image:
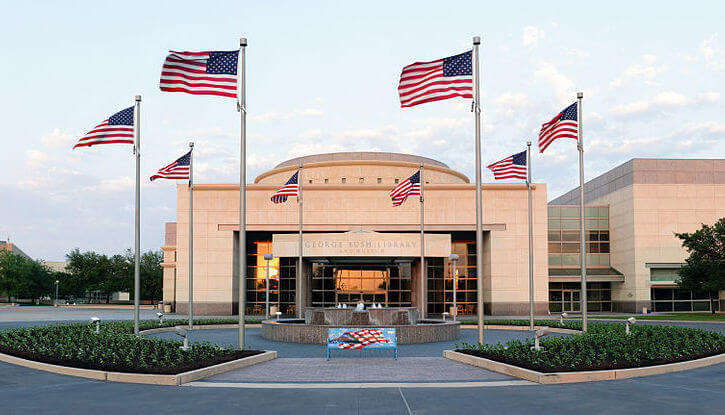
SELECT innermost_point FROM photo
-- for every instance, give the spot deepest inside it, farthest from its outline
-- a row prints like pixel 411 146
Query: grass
pixel 115 348
pixel 605 346
pixel 669 316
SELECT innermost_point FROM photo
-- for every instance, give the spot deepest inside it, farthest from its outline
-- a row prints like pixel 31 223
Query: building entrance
pixel 571 300
pixel 388 285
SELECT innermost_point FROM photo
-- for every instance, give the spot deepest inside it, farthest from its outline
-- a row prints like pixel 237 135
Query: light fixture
pixel 183 333
pixel 161 318
pixel 630 320
pixel 563 316
pixel 97 321
pixel 539 333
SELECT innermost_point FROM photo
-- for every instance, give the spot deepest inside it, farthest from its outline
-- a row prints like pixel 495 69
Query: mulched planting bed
pixel 114 349
pixel 605 346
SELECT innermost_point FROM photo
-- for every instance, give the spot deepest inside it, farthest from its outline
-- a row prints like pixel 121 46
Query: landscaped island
pixel 113 349
pixel 605 346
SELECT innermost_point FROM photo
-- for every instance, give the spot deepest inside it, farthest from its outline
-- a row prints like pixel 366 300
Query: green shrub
pixel 115 348
pixel 606 346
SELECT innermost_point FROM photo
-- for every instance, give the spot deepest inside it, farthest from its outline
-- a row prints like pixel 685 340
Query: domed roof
pixel 362 155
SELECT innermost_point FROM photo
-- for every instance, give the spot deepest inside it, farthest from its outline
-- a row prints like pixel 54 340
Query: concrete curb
pixel 144 378
pixel 584 376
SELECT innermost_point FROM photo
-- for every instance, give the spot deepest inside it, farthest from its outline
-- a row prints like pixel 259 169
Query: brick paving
pixel 371 369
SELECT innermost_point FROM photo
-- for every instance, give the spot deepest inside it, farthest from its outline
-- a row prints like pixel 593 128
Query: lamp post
pixel 267 257
pixel 56 293
pixel 454 259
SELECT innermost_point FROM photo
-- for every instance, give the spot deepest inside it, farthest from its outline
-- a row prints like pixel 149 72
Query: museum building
pixel 357 247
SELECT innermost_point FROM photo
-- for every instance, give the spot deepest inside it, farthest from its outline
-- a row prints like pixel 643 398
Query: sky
pixel 322 77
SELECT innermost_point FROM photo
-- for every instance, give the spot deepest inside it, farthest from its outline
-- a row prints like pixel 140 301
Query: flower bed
pixel 605 346
pixel 568 324
pixel 114 349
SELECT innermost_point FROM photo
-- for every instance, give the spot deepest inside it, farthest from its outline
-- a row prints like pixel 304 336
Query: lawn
pixel 605 346
pixel 114 348
pixel 669 316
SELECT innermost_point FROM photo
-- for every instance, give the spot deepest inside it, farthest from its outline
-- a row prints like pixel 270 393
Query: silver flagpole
pixel 582 243
pixel 479 213
pixel 300 299
pixel 242 107
pixel 191 236
pixel 423 279
pixel 531 239
pixel 137 237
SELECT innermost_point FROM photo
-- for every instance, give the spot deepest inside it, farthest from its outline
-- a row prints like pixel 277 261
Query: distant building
pixel 11 247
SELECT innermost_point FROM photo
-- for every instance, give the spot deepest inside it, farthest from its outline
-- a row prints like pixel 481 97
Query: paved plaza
pixel 301 381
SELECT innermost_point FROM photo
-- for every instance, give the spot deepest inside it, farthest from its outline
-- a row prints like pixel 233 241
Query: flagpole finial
pixel 476 40
pixel 528 143
pixel 138 98
pixel 242 41
pixel 191 144
pixel 580 95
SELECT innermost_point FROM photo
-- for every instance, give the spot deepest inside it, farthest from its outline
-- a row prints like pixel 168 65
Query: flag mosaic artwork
pixel 345 338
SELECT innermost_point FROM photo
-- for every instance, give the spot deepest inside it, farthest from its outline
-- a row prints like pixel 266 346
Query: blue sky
pixel 322 76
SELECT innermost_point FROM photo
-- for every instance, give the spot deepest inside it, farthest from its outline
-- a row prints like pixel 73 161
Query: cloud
pixel 664 100
pixel 58 139
pixel 711 52
pixel 280 116
pixel 36 158
pixel 531 36
pixel 563 87
pixel 646 71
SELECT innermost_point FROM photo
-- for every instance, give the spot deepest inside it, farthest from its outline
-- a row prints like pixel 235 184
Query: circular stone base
pixel 296 331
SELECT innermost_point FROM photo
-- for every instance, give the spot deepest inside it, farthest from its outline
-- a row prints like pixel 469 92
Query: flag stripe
pixel 116 129
pixel 512 167
pixel 200 73
pixel 564 125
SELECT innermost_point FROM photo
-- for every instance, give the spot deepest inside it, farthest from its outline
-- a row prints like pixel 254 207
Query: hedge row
pixel 115 348
pixel 606 346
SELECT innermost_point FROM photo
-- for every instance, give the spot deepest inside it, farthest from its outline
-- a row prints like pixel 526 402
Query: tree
pixel 21 277
pixel 704 269
pixel 152 275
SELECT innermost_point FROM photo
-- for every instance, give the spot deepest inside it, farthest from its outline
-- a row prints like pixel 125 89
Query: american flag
pixel 291 188
pixel 178 170
pixel 444 78
pixel 564 125
pixel 512 167
pixel 408 187
pixel 201 73
pixel 118 128
pixel 359 339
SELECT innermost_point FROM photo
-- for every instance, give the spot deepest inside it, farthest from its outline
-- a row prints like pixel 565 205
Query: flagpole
pixel 582 237
pixel 137 224
pixel 479 213
pixel 191 236
pixel 423 279
pixel 531 238
pixel 300 299
pixel 242 107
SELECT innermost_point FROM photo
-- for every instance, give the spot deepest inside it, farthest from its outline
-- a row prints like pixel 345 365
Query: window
pixel 380 180
pixel 282 273
pixel 344 180
pixel 310 181
pixel 566 296
pixel 564 236
pixel 396 181
pixel 676 299
pixel 362 180
pixel 440 281
pixel 327 181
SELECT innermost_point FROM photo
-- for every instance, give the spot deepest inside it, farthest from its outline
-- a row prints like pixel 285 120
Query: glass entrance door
pixel 361 284
pixel 571 300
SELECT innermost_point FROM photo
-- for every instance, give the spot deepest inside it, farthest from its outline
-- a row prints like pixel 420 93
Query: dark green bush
pixel 606 346
pixel 115 348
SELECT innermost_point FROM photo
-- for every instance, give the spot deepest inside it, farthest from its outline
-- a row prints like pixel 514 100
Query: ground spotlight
pixel 630 320
pixel 539 333
pixel 563 316
pixel 161 318
pixel 183 333
pixel 97 320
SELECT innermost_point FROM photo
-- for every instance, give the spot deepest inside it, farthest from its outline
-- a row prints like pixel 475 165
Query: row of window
pixel 360 180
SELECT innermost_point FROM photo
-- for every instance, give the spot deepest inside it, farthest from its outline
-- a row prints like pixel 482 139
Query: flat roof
pixel 361 155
